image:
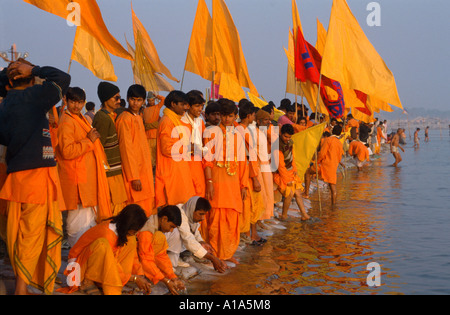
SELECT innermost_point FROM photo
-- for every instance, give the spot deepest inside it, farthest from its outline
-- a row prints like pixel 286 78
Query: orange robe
pixel 358 149
pixel 152 251
pixel 286 174
pixel 151 116
pixel 101 260
pixel 329 157
pixel 76 164
pixel 81 166
pixel 298 128
pixel 267 191
pixel 352 123
pixel 34 196
pixel 173 178
pixel 196 161
pixel 229 176
pixel 136 160
pixel 256 200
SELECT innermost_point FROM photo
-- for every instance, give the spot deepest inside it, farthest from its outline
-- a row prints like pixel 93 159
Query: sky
pixel 412 39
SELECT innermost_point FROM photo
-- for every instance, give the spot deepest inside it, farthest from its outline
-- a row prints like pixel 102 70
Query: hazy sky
pixel 412 40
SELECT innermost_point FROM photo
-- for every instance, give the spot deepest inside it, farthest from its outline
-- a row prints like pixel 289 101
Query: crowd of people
pixel 137 188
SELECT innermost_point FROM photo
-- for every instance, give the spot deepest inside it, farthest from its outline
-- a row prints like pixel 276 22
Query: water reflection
pixel 330 256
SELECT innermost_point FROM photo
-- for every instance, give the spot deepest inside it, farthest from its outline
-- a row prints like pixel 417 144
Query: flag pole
pixel 317 155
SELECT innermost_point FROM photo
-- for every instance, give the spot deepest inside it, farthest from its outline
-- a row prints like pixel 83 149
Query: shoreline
pixel 198 275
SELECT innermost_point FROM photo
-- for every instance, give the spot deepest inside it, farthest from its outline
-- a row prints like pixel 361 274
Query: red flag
pixel 306 56
pixel 307 68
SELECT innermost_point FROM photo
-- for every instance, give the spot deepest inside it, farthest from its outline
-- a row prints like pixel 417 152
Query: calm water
pixel 396 217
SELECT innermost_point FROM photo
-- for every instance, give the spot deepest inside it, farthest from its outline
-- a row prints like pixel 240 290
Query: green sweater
pixel 107 129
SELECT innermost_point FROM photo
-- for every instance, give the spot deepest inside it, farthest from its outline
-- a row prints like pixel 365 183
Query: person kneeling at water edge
pixel 106 254
pixel 187 235
pixel 152 248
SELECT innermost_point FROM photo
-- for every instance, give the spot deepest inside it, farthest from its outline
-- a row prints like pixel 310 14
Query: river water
pixel 397 218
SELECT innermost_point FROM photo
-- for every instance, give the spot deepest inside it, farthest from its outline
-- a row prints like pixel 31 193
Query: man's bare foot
pixel 306 218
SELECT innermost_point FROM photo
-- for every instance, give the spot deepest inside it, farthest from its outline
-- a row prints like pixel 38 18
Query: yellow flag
pixel 230 88
pixel 296 19
pixel 305 145
pixel 351 100
pixel 199 56
pixel 351 59
pixel 261 103
pixel 162 83
pixel 142 67
pixel 321 37
pixel 91 20
pixel 91 54
pixel 227 51
pixel 149 49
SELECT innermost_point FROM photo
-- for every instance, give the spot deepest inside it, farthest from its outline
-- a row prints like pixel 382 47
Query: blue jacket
pixel 24 126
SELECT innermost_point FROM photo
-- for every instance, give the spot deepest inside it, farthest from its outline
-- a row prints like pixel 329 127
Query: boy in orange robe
pixel 81 166
pixel 255 201
pixel 173 178
pixel 192 119
pixel 151 121
pixel 351 122
pixel 135 152
pixel 358 150
pixel 31 189
pixel 106 254
pixel 289 184
pixel 380 136
pixel 226 182
pixel 328 160
pixel 152 248
pixel 263 154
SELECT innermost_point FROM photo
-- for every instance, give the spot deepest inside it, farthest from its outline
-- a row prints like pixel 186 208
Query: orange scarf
pixel 104 202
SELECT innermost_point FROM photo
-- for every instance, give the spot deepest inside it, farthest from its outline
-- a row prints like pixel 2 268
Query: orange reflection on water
pixel 326 257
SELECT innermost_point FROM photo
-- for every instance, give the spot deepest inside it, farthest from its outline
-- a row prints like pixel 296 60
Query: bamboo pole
pixel 316 153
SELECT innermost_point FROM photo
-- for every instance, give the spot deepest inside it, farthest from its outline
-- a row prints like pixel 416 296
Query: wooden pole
pixel 317 164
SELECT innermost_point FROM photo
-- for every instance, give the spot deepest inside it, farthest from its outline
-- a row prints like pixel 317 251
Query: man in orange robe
pixel 135 152
pixel 151 120
pixel 173 178
pixel 192 119
pixel 263 154
pixel 226 182
pixel 328 160
pixel 81 166
pixel 380 135
pixel 286 178
pixel 254 205
pixel 358 150
pixel 351 122
pixel 152 248
pixel 31 189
